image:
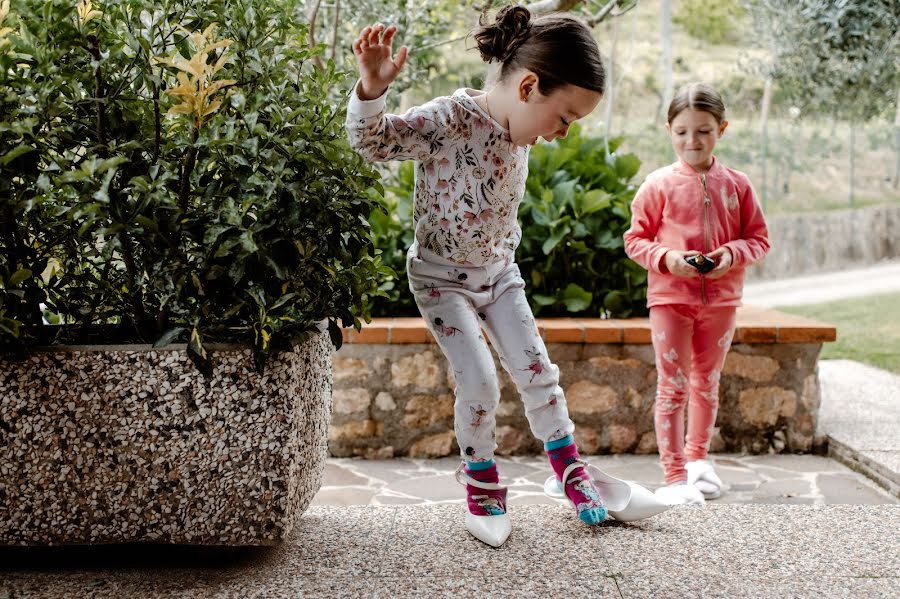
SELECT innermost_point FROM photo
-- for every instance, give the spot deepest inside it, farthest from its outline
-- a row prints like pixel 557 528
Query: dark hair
pixel 559 49
pixel 698 96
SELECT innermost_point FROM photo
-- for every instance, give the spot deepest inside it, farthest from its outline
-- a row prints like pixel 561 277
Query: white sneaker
pixel 680 494
pixel 702 475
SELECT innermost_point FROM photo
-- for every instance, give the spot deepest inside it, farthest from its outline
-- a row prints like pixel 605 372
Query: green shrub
pixel 392 234
pixel 576 208
pixel 713 22
pixel 160 183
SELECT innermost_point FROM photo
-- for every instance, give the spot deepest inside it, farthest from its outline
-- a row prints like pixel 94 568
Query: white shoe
pixel 680 494
pixel 625 501
pixel 493 530
pixel 700 474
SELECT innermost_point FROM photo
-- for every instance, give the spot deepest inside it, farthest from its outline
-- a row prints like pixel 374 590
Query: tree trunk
pixel 612 86
pixel 852 160
pixel 312 17
pixel 335 39
pixel 897 143
pixel 668 85
pixel 764 144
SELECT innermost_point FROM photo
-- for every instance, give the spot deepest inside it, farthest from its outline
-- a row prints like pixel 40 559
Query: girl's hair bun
pixel 500 40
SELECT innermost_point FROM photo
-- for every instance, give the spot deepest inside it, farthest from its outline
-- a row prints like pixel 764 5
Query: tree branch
pixel 543 7
pixel 602 13
pixel 157 116
pixel 607 11
pixel 157 123
pixel 94 51
pixel 187 167
pixel 135 293
pixel 314 14
pixel 441 43
pixel 335 30
pixel 488 4
pixel 547 6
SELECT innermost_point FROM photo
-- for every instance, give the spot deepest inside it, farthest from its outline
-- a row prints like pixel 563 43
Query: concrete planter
pixel 130 444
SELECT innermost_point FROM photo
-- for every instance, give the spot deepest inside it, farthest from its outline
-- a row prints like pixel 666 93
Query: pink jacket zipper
pixel 703 297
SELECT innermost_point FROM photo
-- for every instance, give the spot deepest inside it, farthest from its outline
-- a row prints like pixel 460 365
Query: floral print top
pixel 470 177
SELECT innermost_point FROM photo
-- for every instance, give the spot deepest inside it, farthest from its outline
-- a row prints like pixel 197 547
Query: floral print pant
pixel 690 343
pixel 458 302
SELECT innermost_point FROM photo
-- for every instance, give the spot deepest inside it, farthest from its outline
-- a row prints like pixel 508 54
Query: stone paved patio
pixel 787 479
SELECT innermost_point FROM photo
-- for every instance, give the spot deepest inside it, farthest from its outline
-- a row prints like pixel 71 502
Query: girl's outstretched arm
pixel 374 57
pixel 419 134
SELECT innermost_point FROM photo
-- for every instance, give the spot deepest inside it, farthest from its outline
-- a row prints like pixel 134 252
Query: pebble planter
pixel 107 444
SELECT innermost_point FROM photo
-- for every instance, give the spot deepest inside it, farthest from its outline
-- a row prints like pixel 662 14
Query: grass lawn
pixel 868 329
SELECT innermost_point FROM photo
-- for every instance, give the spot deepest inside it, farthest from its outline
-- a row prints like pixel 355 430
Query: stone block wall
pixel 814 242
pixel 396 398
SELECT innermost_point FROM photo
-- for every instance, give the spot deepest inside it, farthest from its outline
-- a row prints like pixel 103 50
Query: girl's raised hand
pixel 377 67
pixel 675 262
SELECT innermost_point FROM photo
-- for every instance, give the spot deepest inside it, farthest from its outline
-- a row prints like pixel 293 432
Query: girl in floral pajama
pixel 694 209
pixel 471 150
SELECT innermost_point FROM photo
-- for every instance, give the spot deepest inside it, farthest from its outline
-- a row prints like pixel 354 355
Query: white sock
pixel 680 494
pixel 706 487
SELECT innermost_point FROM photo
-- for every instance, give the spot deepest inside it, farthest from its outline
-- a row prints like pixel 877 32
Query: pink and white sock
pixel 483 502
pixel 580 489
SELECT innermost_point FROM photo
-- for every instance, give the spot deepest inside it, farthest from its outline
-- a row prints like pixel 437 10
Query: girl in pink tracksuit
pixel 694 209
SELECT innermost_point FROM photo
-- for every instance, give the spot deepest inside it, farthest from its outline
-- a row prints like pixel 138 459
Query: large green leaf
pixel 576 298
pixel 593 200
pixel 627 166
pixel 15 153
pixel 18 277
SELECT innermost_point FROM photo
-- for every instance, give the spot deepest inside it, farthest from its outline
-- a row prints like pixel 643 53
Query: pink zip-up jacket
pixel 681 209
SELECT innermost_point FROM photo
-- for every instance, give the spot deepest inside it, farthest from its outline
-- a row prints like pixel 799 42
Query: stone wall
pixel 397 400
pixel 124 445
pixel 827 241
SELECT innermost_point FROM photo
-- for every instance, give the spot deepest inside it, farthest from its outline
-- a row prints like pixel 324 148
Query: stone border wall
pixel 814 242
pixel 394 392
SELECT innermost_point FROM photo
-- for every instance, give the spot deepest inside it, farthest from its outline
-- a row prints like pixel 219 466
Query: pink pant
pixel 690 343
